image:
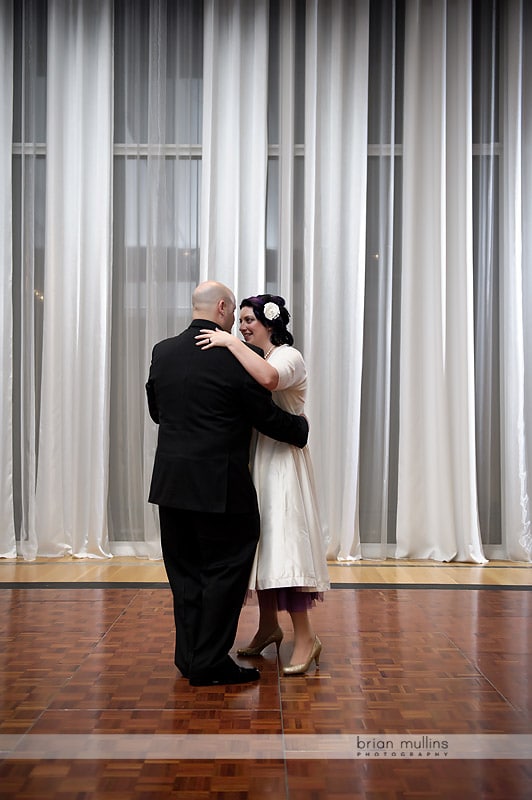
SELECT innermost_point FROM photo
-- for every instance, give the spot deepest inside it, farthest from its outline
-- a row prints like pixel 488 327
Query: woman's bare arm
pixel 258 367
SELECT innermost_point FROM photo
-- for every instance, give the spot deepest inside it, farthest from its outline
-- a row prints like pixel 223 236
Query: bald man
pixel 206 406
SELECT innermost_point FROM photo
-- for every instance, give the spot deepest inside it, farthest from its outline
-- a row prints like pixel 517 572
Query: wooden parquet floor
pixel 91 705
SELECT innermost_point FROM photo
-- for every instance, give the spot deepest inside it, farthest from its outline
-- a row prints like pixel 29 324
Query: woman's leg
pixel 268 620
pixel 268 631
pixel 303 636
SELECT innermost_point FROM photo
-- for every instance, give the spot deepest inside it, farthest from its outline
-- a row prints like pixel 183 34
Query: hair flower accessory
pixel 271 311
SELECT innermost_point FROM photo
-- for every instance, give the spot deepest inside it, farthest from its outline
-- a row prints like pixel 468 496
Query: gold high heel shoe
pixel 300 669
pixel 276 636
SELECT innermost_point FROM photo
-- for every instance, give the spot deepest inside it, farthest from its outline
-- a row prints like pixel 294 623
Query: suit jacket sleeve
pixel 152 401
pixel 272 421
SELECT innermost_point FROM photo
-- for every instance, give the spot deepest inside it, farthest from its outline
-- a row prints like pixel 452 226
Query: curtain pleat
pixel 235 145
pixel 515 439
pixel 335 211
pixel 72 473
pixel 8 547
pixel 436 508
pixel 525 532
pixel 287 60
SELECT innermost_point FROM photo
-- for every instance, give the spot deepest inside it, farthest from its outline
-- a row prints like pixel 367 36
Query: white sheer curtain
pixel 7 526
pixel 287 236
pixel 335 212
pixel 370 160
pixel 516 451
pixel 524 530
pixel 73 461
pixel 235 144
pixel 436 508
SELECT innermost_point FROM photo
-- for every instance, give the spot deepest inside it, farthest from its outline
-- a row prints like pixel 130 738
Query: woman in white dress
pixel 290 570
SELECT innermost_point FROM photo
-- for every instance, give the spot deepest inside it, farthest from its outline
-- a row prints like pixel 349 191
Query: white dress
pixel 291 549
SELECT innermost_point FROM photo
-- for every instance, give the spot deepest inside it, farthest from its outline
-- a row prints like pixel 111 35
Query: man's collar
pixel 204 323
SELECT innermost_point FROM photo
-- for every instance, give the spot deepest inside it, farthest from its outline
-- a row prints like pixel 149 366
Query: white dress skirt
pixel 291 552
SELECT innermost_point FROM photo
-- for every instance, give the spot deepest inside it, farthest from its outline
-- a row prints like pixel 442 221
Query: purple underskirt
pixel 292 598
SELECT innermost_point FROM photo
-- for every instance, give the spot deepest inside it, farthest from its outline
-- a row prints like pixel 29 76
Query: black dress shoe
pixel 225 675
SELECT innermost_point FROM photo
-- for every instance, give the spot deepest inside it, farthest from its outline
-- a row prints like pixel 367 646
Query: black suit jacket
pixel 206 405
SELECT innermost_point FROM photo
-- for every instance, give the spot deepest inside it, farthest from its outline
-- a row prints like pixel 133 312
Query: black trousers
pixel 208 560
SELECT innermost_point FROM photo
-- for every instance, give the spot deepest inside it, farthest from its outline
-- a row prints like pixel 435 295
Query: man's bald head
pixel 214 301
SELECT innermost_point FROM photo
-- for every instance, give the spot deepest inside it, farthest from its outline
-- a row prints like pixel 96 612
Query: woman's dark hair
pixel 279 335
